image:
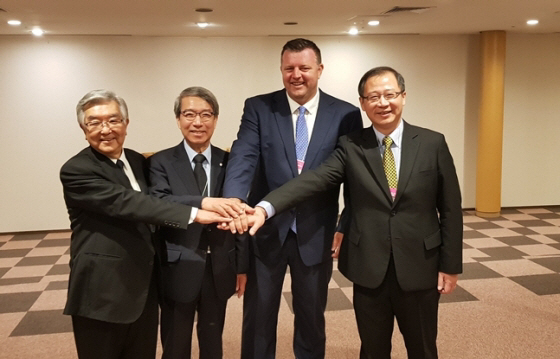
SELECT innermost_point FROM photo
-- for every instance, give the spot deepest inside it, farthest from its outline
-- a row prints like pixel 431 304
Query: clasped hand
pixel 231 214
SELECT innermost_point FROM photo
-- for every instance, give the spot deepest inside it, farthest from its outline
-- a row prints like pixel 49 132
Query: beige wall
pixel 41 81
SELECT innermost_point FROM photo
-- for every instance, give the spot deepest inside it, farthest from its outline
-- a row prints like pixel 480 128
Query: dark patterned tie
pixel 389 166
pixel 120 164
pixel 200 174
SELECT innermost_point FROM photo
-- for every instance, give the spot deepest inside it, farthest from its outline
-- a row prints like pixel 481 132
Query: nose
pixel 105 128
pixel 296 73
pixel 383 101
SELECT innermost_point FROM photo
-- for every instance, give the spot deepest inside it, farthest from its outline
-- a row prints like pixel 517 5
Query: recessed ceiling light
pixel 203 9
pixel 37 31
pixel 373 23
pixel 290 23
pixel 14 22
pixel 353 31
pixel 532 22
pixel 202 25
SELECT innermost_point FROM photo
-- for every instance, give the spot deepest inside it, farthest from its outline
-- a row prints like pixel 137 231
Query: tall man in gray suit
pixel 282 134
pixel 403 246
pixel 112 290
pixel 204 266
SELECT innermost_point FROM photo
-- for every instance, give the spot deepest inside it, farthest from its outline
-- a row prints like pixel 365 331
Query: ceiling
pixel 267 17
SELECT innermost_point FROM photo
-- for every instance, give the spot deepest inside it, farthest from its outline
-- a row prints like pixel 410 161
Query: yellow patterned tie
pixel 389 166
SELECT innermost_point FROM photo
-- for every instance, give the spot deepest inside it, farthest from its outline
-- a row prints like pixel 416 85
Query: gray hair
pixel 376 71
pixel 96 97
pixel 200 92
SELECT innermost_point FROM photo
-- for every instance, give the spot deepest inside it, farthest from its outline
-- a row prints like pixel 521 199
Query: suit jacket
pixel 111 250
pixel 422 228
pixel 263 158
pixel 172 178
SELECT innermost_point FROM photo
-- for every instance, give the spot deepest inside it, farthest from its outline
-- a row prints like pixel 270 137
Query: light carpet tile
pixel 517 267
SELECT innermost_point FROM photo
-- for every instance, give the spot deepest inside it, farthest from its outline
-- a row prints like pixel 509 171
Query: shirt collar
pixel 396 135
pixel 191 153
pixel 311 105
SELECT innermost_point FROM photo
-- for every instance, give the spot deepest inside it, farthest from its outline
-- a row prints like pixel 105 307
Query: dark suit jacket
pixel 172 178
pixel 112 253
pixel 423 227
pixel 263 158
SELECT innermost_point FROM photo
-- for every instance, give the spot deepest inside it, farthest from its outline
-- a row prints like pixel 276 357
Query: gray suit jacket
pixel 422 228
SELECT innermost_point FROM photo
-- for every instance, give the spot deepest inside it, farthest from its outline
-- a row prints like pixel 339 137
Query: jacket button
pixel 388 238
pixel 393 213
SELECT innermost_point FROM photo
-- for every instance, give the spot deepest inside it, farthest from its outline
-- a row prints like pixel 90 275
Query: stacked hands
pixel 231 214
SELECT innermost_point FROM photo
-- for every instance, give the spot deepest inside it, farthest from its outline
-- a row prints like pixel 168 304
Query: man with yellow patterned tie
pixel 403 243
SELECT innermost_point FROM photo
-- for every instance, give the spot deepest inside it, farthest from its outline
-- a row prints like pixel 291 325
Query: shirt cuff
pixel 268 208
pixel 194 212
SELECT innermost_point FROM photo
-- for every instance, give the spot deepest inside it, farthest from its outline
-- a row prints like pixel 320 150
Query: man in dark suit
pixel 282 134
pixel 112 294
pixel 203 262
pixel 403 246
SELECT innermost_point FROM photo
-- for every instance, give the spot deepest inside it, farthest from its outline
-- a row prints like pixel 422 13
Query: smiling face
pixel 196 132
pixel 300 74
pixel 108 140
pixel 384 115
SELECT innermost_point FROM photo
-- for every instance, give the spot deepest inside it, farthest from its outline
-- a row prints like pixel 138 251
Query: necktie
pixel 120 164
pixel 389 166
pixel 301 138
pixel 200 174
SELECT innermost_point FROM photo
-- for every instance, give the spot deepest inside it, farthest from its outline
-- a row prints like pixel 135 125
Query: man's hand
pixel 226 207
pixel 446 282
pixel 240 286
pixel 256 219
pixel 206 217
pixel 337 241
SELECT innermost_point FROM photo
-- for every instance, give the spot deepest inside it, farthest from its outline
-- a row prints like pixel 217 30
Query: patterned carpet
pixel 520 250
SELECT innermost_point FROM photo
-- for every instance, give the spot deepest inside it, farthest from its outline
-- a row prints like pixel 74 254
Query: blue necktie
pixel 301 138
pixel 301 146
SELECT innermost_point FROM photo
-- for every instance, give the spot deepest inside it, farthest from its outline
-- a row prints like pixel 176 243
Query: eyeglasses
pixel 190 116
pixel 375 98
pixel 97 125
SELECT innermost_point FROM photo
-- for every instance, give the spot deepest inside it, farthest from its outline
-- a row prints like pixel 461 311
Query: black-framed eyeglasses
pixel 190 116
pixel 375 98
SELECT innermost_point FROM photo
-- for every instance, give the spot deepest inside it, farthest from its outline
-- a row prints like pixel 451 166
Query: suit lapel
pixel 283 118
pixel 138 171
pixel 109 167
pixel 321 128
pixel 410 145
pixel 182 166
pixel 217 171
pixel 370 148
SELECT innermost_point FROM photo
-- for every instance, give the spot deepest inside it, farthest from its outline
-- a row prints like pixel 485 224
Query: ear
pixel 320 70
pixel 362 103
pixel 403 98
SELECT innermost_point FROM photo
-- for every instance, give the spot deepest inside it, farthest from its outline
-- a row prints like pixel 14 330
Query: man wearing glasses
pixel 112 290
pixel 403 245
pixel 204 265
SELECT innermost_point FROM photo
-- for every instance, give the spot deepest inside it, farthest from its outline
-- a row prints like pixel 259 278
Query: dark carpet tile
pixel 533 223
pixel 37 261
pixel 546 215
pixel 29 236
pixel 466 246
pixel 67 251
pixel 541 284
pixel 494 219
pixel 17 302
pixel 473 234
pixel 518 240
pixel 458 295
pixel 500 253
pixel 556 237
pixel 510 211
pixel 12 253
pixel 477 271
pixel 552 208
pixel 3 271
pixel 555 245
pixel 54 243
pixel 58 269
pixel 523 230
pixel 482 225
pixel 341 280
pixel 24 280
pixel 43 322
pixel 57 285
pixel 552 263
